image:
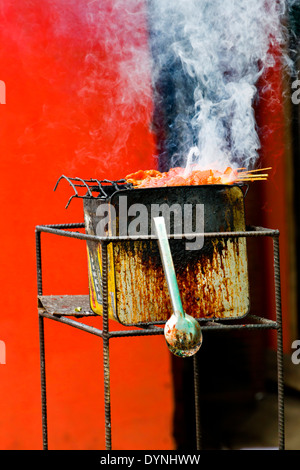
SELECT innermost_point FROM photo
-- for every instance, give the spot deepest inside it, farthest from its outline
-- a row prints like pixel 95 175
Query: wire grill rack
pixel 91 188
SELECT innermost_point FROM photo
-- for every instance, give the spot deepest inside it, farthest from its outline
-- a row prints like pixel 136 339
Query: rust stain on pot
pixel 213 284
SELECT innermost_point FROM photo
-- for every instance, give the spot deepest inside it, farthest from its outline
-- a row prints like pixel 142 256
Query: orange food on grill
pixel 180 177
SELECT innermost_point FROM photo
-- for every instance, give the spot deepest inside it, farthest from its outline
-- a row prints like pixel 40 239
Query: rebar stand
pixel 61 308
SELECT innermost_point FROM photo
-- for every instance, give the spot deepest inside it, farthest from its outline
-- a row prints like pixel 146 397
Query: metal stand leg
pixel 280 378
pixel 197 404
pixel 106 350
pixel 42 341
pixel 43 383
pixel 107 394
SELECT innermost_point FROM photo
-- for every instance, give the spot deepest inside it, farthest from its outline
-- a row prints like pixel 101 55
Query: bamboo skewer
pixel 253 175
pixel 249 172
pixel 263 175
pixel 251 179
pixel 258 169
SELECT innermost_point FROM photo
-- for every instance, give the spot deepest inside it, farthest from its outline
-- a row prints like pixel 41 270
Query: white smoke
pixel 204 58
pixel 222 48
pixel 116 74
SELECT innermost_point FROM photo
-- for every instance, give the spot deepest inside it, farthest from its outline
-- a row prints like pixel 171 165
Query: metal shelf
pixel 73 309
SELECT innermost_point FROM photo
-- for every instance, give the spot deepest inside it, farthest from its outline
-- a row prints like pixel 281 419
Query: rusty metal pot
pixel 213 280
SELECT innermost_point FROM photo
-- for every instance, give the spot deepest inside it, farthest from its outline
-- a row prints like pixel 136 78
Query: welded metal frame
pixel 147 329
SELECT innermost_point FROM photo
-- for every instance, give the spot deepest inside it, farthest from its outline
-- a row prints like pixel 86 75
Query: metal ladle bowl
pixel 182 332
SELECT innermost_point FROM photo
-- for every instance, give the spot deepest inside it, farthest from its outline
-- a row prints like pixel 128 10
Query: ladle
pixel 182 331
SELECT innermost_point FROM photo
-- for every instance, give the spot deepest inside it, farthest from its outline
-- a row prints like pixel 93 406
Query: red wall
pixel 66 113
pixel 65 107
pixel 275 198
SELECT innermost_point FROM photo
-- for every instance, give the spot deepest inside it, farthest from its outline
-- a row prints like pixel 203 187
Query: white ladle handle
pixel 168 265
